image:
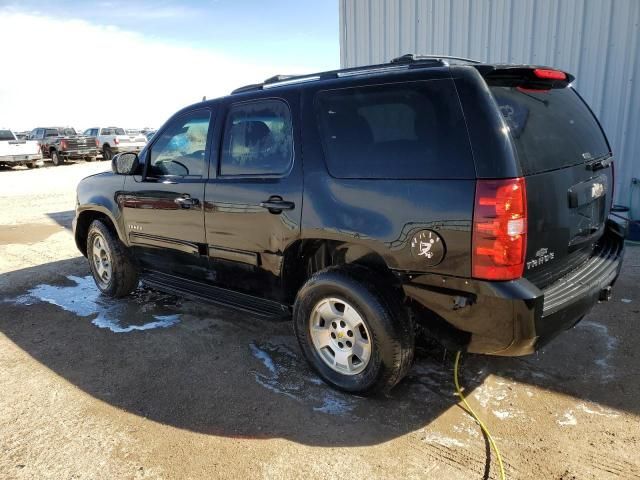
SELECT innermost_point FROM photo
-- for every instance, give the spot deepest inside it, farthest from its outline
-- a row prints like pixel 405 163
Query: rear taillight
pixel 63 144
pixel 115 140
pixel 499 229
pixel 549 74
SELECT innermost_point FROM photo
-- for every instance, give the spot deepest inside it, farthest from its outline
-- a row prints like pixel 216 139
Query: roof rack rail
pixel 400 63
pixel 413 57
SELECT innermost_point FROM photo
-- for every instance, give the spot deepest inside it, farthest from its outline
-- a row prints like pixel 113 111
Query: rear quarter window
pixel 411 130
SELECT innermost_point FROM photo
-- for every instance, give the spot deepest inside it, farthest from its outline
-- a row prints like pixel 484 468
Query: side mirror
pixel 125 163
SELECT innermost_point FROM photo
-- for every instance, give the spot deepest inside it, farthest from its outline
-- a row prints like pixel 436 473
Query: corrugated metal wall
pixel 596 40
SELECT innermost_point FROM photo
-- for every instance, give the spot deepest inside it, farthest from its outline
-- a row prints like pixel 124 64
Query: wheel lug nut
pixel 350 333
pixel 340 344
pixel 342 324
pixel 333 324
pixel 349 344
pixel 333 335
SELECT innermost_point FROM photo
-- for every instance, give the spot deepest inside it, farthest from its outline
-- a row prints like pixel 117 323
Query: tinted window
pixel 258 139
pixel 180 149
pixel 550 128
pixel 6 135
pixel 51 132
pixel 406 130
pixel 119 131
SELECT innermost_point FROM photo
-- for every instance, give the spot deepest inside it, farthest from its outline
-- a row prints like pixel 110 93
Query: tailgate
pixel 566 161
pixel 131 141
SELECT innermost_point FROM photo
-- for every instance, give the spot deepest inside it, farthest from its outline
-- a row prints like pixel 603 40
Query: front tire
pixel 107 153
pixel 357 336
pixel 112 268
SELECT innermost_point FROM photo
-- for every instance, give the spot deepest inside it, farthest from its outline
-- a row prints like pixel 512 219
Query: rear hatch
pixel 566 162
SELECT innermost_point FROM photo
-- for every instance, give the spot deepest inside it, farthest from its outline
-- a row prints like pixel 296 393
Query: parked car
pixel 111 140
pixel 14 152
pixel 64 143
pixel 468 199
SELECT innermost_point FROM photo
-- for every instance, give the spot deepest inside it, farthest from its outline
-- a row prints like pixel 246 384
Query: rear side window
pixel 51 132
pixel 551 129
pixel 258 139
pixel 396 131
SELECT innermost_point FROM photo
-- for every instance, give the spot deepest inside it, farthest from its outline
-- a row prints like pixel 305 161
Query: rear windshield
pixel 395 131
pixel 6 135
pixel 113 131
pixel 551 129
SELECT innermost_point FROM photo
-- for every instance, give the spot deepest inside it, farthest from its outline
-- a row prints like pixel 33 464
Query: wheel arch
pixel 83 220
pixel 305 257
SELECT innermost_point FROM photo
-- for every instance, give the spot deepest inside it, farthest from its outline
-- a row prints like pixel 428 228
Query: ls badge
pixel 427 246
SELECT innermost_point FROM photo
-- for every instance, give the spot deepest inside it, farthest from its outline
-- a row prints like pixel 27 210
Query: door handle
pixel 277 205
pixel 185 201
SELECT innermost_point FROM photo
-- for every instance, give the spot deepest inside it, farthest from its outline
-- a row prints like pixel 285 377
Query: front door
pixel 163 206
pixel 254 194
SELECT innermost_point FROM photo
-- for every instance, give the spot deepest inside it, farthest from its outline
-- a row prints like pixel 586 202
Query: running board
pixel 220 296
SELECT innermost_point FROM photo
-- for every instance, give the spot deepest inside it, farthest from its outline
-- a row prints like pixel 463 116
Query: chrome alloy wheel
pixel 101 260
pixel 340 336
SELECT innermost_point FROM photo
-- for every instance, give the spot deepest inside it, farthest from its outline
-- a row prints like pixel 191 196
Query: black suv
pixel 464 199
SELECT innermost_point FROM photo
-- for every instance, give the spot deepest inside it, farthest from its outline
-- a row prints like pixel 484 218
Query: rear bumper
pixel 127 148
pixel 516 318
pixel 20 159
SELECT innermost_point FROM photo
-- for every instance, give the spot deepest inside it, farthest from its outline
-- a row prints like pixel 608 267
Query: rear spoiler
pixel 528 76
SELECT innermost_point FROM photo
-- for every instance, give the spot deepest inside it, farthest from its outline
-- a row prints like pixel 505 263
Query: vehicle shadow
pixel 64 219
pixel 216 371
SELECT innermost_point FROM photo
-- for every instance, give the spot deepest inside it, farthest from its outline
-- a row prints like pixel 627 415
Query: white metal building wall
pixel 596 40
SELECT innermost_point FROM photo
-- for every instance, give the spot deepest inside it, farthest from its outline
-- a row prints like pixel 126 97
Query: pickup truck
pixel 63 143
pixel 111 140
pixel 18 152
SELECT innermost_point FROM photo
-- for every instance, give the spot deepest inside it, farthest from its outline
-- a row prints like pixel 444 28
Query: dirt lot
pixel 157 387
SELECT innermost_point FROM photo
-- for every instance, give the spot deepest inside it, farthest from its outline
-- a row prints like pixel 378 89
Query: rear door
pixel 163 206
pixel 254 196
pixel 565 159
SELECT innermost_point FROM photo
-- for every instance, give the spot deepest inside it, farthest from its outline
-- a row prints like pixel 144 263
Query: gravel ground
pixel 157 387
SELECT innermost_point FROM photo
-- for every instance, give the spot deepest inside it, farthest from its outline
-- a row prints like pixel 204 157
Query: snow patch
pixel 433 437
pixel 283 377
pixel 603 412
pixel 85 300
pixel 568 419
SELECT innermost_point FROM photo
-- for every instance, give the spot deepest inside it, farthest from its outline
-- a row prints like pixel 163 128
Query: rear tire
pixel 30 165
pixel 346 307
pixel 56 159
pixel 107 153
pixel 111 265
